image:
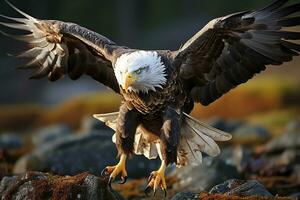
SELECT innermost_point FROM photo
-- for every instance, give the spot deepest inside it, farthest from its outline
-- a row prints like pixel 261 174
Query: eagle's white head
pixel 140 71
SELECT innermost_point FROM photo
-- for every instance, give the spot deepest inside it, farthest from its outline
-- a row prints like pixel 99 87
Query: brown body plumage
pixel 148 110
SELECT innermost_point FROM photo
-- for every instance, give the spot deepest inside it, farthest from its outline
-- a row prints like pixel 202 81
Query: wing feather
pixel 60 48
pixel 230 50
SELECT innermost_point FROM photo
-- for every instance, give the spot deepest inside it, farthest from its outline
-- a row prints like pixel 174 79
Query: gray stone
pixel 289 140
pixel 238 156
pixel 96 188
pixel 250 134
pixel 293 126
pixel 248 163
pixel 78 153
pixel 295 195
pixel 296 172
pixel 186 196
pixel 37 185
pixel 241 188
pixel 10 141
pixel 6 182
pixel 225 125
pixel 288 157
pixel 50 133
pixel 242 132
pixel 203 177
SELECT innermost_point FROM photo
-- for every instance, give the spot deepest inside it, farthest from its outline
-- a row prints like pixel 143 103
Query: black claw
pixel 104 172
pixel 154 193
pixel 150 177
pixel 148 190
pixel 123 179
pixel 165 192
pixel 109 182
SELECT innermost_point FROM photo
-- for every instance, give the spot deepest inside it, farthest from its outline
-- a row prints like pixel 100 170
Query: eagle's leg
pixel 125 132
pixel 169 140
pixel 114 171
pixel 157 179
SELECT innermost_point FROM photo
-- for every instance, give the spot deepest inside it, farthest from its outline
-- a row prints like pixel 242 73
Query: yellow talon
pixel 157 179
pixel 114 171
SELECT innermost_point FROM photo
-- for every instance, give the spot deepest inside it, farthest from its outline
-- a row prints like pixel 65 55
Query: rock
pixel 242 158
pixel 247 162
pixel 50 133
pixel 38 185
pixel 293 126
pixel 227 126
pixel 296 172
pixel 288 157
pixel 186 196
pixel 289 140
pixel 295 195
pixel 250 134
pixel 283 180
pixel 203 177
pixel 10 141
pixel 78 153
pixel 241 188
pixel 242 133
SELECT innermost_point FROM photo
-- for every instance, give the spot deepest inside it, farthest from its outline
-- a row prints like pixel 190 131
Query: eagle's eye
pixel 138 71
pixel 141 69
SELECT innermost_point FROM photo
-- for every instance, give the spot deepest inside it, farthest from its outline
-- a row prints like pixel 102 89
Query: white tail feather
pixel 110 119
pixel 141 145
pixel 196 137
pixel 215 134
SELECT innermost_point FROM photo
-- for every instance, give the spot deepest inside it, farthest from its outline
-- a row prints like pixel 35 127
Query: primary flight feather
pixel 159 88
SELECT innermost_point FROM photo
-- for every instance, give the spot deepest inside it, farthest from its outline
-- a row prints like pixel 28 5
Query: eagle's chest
pixel 148 103
pixel 155 101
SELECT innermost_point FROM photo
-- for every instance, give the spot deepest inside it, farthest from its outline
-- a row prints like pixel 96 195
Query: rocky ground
pixel 64 160
pixel 57 163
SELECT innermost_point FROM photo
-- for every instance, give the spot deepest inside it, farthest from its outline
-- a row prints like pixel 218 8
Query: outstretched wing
pixel 59 48
pixel 230 50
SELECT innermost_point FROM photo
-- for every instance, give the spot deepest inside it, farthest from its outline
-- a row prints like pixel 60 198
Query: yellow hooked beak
pixel 129 79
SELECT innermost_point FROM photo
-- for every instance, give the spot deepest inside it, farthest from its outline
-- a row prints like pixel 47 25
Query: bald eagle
pixel 160 87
